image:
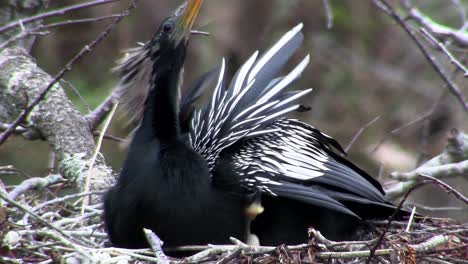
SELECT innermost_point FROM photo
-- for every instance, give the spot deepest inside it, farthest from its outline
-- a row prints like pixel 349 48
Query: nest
pixel 61 230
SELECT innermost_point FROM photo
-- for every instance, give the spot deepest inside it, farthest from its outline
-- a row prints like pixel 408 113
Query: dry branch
pixel 452 162
pixel 62 234
pixel 55 117
pixel 50 111
pixel 53 13
pixel 385 6
pixel 460 36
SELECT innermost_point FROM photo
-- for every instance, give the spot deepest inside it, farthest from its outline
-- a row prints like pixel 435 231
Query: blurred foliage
pixel 363 67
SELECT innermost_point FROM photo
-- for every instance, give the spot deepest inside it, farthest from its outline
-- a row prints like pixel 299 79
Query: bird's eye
pixel 168 27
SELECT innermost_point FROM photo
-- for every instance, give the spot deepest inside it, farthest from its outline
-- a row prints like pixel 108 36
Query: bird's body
pixel 185 208
pixel 164 184
pixel 240 147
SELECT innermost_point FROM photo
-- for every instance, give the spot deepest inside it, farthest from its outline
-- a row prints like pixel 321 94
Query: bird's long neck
pixel 161 114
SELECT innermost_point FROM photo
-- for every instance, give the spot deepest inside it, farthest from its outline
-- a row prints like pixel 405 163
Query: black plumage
pixel 164 184
pixel 190 174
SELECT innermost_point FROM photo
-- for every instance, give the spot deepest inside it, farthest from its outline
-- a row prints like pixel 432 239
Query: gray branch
pixel 17 10
pixel 452 162
pixel 460 36
pixel 34 183
pixel 64 127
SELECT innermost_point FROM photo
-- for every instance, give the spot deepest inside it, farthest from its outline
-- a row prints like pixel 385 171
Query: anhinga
pixel 165 184
pixel 240 149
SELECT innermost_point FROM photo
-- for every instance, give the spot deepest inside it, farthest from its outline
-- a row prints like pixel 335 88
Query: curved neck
pixel 161 113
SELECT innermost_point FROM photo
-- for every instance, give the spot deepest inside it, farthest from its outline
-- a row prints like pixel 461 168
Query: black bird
pixel 240 149
pixel 165 184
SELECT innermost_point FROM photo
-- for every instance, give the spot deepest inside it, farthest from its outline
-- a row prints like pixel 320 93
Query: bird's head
pixel 166 50
pixel 170 41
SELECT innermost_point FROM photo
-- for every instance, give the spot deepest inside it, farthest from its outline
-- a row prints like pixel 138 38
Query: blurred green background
pixel 363 67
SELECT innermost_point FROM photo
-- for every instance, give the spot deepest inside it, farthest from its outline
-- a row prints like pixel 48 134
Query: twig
pixel 34 183
pixel 459 35
pixel 60 200
pixel 400 128
pixel 442 171
pixel 329 13
pixel 93 158
pixel 67 243
pixel 449 189
pixel 97 116
pixel 360 131
pixel 410 220
pixel 114 138
pixel 156 244
pixel 230 256
pixel 67 68
pixel 388 9
pixel 436 209
pixel 26 210
pixel 9 169
pixel 57 12
pixel 431 243
pixel 395 213
pixel 18 129
pixel 444 50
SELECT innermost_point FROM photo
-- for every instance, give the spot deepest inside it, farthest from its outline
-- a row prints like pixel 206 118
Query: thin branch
pixel 93 158
pixel 67 68
pixel 39 29
pixel 436 209
pixel 444 50
pixel 402 127
pixel 436 171
pixel 18 130
pixel 449 189
pixel 34 183
pixel 37 217
pixel 53 13
pixel 389 223
pixel 156 244
pixel 329 13
pixel 360 131
pixel 97 116
pixel 460 36
pixel 8 169
pixel 388 9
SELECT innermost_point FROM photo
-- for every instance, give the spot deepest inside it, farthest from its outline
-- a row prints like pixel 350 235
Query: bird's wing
pixel 193 92
pixel 251 147
pixel 252 101
pixel 297 161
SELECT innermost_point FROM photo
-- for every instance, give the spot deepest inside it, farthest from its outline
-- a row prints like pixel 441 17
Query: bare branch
pixel 85 50
pixel 34 183
pixel 329 13
pixel 450 163
pixel 39 30
pixel 53 13
pixel 360 131
pixel 449 189
pixel 444 50
pixel 373 251
pixel 97 116
pixel 156 244
pixel 93 158
pixel 460 36
pixel 388 9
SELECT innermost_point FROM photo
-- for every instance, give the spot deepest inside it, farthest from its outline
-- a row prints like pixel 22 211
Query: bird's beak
pixel 188 13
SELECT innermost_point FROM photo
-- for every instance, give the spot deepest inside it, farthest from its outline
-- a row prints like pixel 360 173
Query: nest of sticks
pixel 38 229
